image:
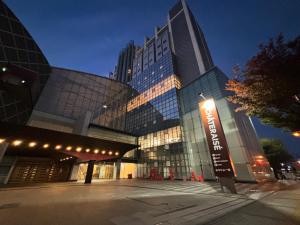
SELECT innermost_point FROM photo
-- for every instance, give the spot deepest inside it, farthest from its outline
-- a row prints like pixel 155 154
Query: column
pixel 3 148
pixel 117 169
pixel 74 173
pixel 89 172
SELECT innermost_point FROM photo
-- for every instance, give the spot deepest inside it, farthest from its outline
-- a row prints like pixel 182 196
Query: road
pixel 135 202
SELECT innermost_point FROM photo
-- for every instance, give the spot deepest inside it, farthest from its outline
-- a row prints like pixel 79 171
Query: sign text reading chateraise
pixel 216 139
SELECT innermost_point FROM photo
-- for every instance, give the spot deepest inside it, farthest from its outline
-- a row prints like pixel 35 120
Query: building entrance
pixel 101 171
pixel 106 171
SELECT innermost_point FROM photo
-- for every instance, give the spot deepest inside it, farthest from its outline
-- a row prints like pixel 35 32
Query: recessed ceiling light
pixel 46 146
pixel 17 142
pixel 32 144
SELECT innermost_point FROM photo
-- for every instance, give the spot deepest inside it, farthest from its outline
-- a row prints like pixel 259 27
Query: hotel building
pixel 144 123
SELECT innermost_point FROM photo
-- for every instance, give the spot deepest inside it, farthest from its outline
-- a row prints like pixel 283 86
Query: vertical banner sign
pixel 216 139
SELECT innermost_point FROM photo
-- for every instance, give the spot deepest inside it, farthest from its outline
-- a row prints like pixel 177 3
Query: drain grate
pixel 9 206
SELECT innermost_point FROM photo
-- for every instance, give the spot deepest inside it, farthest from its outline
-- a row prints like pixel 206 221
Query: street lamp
pixel 201 95
pixel 296 134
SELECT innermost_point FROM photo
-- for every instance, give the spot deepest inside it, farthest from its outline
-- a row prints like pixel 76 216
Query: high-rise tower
pixel 168 73
pixel 188 43
pixel 125 61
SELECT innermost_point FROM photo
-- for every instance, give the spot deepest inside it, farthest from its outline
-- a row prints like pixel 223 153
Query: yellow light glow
pixel 46 146
pixel 78 149
pixel 117 153
pixel 110 152
pixel 1 140
pixel 87 150
pixel 103 152
pixel 17 142
pixel 69 148
pixel 32 144
pixel 57 147
pixel 157 90
pixel 209 104
pixel 296 134
pixel 96 151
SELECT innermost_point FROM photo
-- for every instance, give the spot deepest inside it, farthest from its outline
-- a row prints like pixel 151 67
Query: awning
pixel 26 138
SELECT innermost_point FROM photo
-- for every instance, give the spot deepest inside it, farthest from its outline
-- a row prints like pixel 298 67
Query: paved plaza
pixel 136 202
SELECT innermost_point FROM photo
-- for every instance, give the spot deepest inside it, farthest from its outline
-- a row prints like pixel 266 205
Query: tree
pixel 269 86
pixel 275 152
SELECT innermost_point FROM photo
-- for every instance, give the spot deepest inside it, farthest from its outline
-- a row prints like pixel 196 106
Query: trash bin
pixel 130 176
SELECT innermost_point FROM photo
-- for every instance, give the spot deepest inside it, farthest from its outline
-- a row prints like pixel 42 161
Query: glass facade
pixel 153 111
pixel 240 135
pixel 71 94
pixel 156 105
pixel 17 47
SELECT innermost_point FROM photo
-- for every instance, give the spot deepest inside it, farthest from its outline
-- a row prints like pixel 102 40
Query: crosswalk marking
pixel 248 189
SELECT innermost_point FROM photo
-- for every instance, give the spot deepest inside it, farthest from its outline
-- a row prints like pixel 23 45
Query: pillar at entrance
pixel 89 172
pixel 3 148
pixel 74 173
pixel 117 169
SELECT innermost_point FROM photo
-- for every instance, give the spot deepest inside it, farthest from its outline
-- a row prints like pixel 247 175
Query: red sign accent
pixel 216 139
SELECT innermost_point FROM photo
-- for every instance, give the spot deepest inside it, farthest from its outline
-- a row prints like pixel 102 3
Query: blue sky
pixel 87 35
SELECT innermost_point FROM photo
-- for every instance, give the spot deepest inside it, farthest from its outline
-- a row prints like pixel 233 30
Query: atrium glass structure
pixel 71 94
pixel 17 47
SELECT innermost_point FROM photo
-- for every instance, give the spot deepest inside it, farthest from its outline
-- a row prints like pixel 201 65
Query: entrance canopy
pixel 34 140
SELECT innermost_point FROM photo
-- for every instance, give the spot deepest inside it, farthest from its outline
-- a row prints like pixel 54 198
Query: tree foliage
pixel 275 152
pixel 269 86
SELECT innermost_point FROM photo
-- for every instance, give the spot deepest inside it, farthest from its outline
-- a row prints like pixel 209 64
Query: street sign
pixel 216 139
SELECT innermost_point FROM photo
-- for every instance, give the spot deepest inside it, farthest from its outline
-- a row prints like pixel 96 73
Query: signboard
pixel 216 139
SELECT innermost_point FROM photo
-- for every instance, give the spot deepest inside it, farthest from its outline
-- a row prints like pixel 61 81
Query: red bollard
pixel 193 176
pixel 201 178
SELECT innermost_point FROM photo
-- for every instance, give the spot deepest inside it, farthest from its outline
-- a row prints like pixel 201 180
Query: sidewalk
pixel 279 208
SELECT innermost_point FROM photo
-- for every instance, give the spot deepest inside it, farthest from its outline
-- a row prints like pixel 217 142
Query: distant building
pixel 123 71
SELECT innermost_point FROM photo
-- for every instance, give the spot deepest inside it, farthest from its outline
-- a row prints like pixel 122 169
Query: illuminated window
pixel 155 91
pixel 164 137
